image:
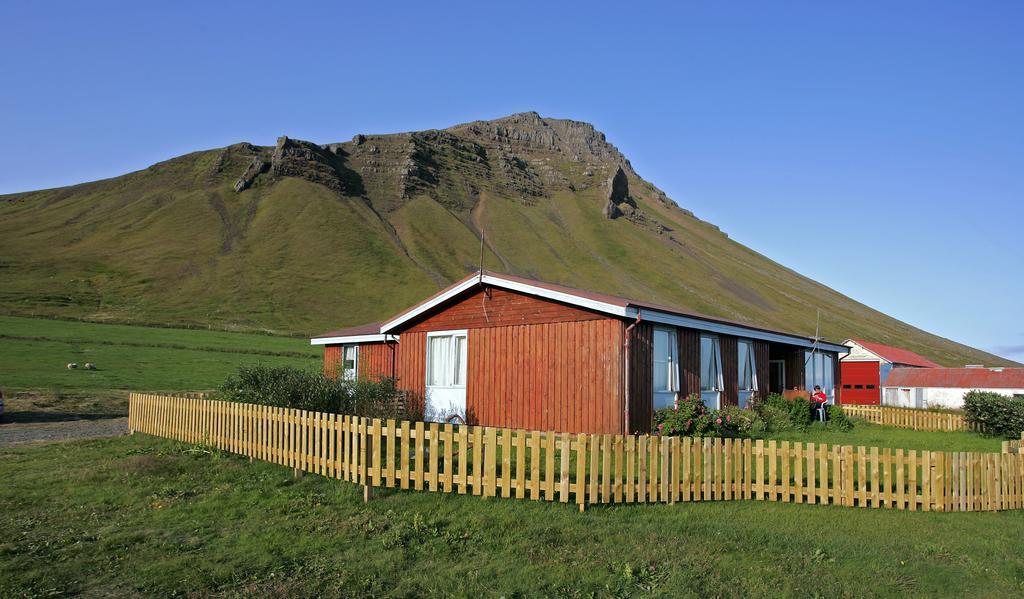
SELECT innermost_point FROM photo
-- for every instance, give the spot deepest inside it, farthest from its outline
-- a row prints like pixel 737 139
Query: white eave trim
pixel 866 350
pixel 352 339
pixel 734 330
pixel 558 296
pixel 611 309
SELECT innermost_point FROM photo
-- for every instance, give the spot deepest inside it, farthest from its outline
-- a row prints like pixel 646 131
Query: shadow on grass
pixel 30 417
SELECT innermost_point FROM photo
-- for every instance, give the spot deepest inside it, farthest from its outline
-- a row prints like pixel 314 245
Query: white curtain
pixel 446 361
pixel 460 360
pixel 438 361
pixel 666 361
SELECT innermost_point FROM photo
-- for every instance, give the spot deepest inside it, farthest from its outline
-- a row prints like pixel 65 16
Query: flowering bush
pixel 688 417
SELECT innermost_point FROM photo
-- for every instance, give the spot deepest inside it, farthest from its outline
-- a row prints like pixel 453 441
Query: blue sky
pixel 878 148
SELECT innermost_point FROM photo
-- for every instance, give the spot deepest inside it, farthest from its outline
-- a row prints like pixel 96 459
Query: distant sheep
pixel 72 365
pixel 90 366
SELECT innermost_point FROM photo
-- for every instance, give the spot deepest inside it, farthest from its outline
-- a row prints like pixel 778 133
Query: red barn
pixel 867 366
pixel 502 350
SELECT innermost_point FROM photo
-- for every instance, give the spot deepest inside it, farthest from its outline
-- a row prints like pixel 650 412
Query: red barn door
pixel 860 383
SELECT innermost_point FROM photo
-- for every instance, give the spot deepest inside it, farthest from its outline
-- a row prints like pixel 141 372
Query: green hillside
pixel 327 236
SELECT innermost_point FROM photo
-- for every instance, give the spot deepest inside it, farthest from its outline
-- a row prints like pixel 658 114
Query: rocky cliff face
pixel 523 156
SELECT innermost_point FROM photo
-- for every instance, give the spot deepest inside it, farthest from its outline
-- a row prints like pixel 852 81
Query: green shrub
pixel 288 387
pixel 781 414
pixel 838 419
pixel 998 415
pixel 689 417
pixel 733 421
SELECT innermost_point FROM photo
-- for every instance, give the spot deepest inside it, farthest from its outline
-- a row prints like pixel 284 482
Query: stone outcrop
pixel 258 166
pixel 619 201
pixel 323 165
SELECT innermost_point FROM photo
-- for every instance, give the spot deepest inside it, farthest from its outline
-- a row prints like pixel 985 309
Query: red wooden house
pixel 502 350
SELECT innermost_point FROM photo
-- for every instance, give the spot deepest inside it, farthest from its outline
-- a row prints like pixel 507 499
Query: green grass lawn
pixel 34 353
pixel 139 515
pixel 874 435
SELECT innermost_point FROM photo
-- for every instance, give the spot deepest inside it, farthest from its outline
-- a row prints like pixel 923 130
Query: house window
pixel 747 371
pixel 350 362
pixel 446 360
pixel 818 371
pixel 666 367
pixel 710 371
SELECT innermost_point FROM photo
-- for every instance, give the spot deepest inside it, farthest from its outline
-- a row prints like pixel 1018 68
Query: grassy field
pixel 34 353
pixel 873 435
pixel 141 515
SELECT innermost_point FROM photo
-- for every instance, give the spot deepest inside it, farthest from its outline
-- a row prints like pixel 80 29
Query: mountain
pixel 302 237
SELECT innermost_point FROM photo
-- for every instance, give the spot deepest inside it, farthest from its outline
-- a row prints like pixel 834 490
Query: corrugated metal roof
pixel 897 355
pixel 959 378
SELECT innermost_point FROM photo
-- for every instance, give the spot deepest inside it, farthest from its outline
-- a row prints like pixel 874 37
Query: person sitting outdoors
pixel 819 400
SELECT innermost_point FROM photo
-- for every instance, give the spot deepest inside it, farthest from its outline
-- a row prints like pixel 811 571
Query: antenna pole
pixel 482 234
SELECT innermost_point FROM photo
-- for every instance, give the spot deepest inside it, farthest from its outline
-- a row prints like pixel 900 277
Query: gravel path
pixel 12 433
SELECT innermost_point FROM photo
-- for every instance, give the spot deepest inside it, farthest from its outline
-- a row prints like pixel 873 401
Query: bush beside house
pixel 998 415
pixel 288 387
pixel 690 417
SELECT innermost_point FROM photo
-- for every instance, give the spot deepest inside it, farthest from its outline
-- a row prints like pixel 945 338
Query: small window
pixel 858 386
pixel 666 361
pixel 350 362
pixel 446 360
pixel 747 371
pixel 710 371
pixel 871 386
pixel 847 386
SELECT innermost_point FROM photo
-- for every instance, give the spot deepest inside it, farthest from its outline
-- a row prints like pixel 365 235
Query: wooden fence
pixel 586 469
pixel 1015 445
pixel 919 420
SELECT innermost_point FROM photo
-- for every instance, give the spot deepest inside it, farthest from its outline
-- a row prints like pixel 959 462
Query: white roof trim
pixel 352 339
pixel 730 329
pixel 612 309
pixel 493 281
pixel 866 350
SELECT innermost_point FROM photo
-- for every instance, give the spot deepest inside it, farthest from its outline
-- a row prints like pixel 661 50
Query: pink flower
pixel 689 422
pixel 661 426
pixel 728 418
pixel 718 421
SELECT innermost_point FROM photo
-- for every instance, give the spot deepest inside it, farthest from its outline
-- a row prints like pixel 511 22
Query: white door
pixel 446 376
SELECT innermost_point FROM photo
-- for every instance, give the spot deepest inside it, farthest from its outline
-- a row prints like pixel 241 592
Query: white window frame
pixel 745 394
pixel 671 384
pixel 355 362
pixel 452 376
pixel 712 398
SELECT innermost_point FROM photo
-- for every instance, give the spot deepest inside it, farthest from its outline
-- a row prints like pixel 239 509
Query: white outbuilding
pixel 946 387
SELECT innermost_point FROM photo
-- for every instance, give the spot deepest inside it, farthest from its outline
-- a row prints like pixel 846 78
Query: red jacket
pixel 819 397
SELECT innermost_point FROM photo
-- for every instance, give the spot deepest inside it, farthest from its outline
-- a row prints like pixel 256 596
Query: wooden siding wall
pixel 376 360
pixel 689 362
pixel 560 376
pixel 332 360
pixel 761 364
pixel 411 366
pixel 641 377
pixel 730 370
pixel 500 308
